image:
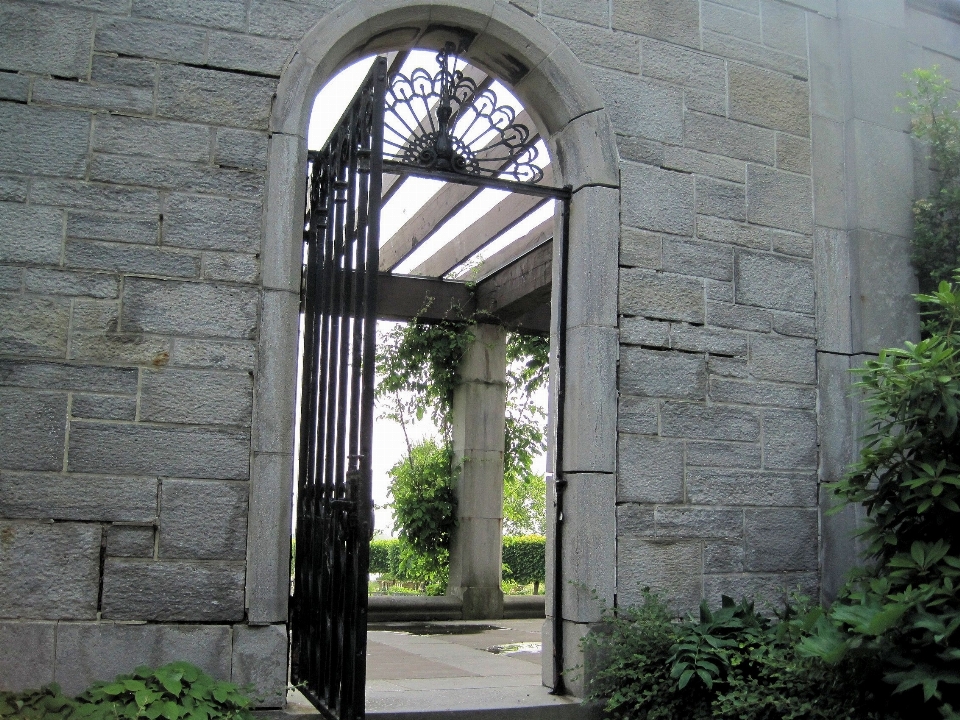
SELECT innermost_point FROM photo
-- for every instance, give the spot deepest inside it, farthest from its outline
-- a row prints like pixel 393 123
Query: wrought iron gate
pixel 328 608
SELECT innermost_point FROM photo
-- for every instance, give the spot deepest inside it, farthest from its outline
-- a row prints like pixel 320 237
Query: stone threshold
pixel 387 608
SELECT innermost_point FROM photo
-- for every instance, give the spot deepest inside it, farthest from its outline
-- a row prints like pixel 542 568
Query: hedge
pixel 526 557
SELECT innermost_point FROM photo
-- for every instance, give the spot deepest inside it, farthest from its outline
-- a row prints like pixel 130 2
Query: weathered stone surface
pixel 203 520
pixel 188 308
pixel 637 415
pixel 705 102
pixel 171 590
pixel 147 38
pixel 248 53
pixel 723 556
pixel 794 325
pixel 749 487
pixel 596 12
pixel 738 317
pixel 120 257
pixel 241 149
pixel 694 161
pixel 640 331
pixel 733 233
pixel 634 519
pixel 124 348
pixel 92 651
pixel 32 429
pixel 885 311
pixel 13 188
pixel 91 196
pixel 729 138
pixel 762 393
pixel 721 199
pixel 783 359
pixel 214 354
pixel 769 99
pixel 717 290
pixel 147 450
pixel 11 279
pixel 14 86
pixel 122 228
pixel 694 522
pixel 260 659
pixel 153 138
pixel 662 374
pixel 792 243
pixel 884 177
pixel 30 234
pixel 100 315
pixel 49 571
pixel 693 338
pixel 232 267
pixel 641 108
pixel 276 382
pixel 589 541
pixel 779 199
pixel 123 71
pixel 205 397
pixel 268 532
pixel 83 96
pixel 736 48
pixel 784 28
pixel 28 655
pixel 775 282
pixel 665 297
pixel 606 48
pixel 589 440
pixel 31 138
pixel 680 66
pixel 793 153
pixel 674 21
pixel 44 40
pixel 655 199
pixel 639 248
pixel 227 14
pixel 718 422
pixel 789 439
pixel 650 470
pixel 65 282
pixel 723 454
pixel 59 376
pixel 130 541
pixel 592 251
pixel 215 97
pixel 722 19
pixel 672 569
pixel 286 18
pixel 780 540
pixel 75 497
pixel 34 326
pixel 103 407
pixel 767 589
pixel 639 150
pixel 176 175
pixel 208 223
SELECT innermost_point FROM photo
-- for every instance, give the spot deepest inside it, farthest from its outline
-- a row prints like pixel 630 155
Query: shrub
pixel 380 555
pixel 525 556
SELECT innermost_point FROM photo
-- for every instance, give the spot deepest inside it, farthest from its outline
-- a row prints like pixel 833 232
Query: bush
pixel 525 556
pixel 380 555
pixel 174 691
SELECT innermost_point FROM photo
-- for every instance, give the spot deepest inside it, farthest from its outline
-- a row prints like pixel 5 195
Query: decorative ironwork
pixel 328 606
pixel 445 121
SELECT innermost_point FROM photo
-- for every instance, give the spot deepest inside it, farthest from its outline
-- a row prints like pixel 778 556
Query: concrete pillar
pixel 479 403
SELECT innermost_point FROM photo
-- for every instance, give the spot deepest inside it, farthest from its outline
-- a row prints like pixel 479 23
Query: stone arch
pixel 548 79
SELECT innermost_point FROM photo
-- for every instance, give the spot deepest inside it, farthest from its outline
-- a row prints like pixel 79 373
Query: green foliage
pixel 380 555
pixel 905 607
pixel 171 692
pixel 936 240
pixel 524 555
pixel 424 510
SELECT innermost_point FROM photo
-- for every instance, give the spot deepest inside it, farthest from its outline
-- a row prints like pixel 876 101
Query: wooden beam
pixel 517 249
pixel 502 216
pixel 520 287
pixel 402 297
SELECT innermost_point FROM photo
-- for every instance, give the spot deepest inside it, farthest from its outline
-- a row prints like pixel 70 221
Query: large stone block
pixel 33 138
pixel 14 86
pixel 591 400
pixel 207 223
pixel 30 234
pixel 13 188
pixel 123 71
pixel 74 284
pixel 827 73
pixel 94 196
pixel 730 138
pixel 749 487
pixel 11 279
pixel 59 376
pixel 276 379
pixel 694 161
pixel 656 295
pixel 766 589
pixel 640 108
pixel 662 374
pixel 733 233
pixel 45 40
pixel 131 541
pixel 738 317
pixel 674 21
pixel 283 18
pixel 735 48
pixel 678 65
pixel 793 154
pixel 49 571
pixel 775 282
pixel 694 522
pixel 174 175
pixel 833 291
pixel 175 308
pixel 151 39
pixel 783 359
pixel 203 520
pixel 589 543
pixel 884 178
pixel 727 390
pixel 640 331
pixel 95 315
pixel 716 422
pixel 878 61
pixel 781 540
pixel 650 470
pixel 87 652
pixel 260 659
pixel 28 655
pixel 172 590
pixel 670 568
pixel 694 338
pixel 789 439
pixel 241 149
pixel 720 18
pixel 232 267
pixel 32 429
pixel 886 313
pixel 203 397
pixel 104 407
pixel 634 519
pixel 655 199
pixel 240 355
pixel 84 96
pixel 596 12
pixel 226 14
pixel 248 53
pixel 215 97
pixel 639 248
pixel 151 450
pixel 598 46
pixel 268 538
pixel 723 454
pixel 721 199
pixel 779 199
pixel 784 27
pixel 592 257
pixel 122 348
pixel 154 138
pixel 120 257
pixel 769 99
pixel 76 497
pixel 637 415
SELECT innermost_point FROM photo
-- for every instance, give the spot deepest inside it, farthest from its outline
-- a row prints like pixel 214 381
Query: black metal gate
pixel 328 608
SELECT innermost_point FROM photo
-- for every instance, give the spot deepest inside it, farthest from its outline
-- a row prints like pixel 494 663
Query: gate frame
pixel 555 90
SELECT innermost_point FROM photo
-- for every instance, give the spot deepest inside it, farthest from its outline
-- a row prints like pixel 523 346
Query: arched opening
pixel 547 79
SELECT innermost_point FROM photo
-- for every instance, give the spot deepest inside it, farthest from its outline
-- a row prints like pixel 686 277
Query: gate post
pixel 479 404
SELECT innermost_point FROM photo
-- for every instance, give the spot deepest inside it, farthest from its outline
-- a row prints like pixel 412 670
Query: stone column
pixel 479 403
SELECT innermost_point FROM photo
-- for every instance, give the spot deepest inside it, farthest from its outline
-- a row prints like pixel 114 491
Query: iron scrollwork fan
pixel 445 121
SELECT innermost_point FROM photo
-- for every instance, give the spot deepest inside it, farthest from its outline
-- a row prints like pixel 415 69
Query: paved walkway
pixel 464 667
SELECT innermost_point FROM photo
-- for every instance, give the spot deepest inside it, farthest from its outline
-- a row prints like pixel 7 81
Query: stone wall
pixel 148 297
